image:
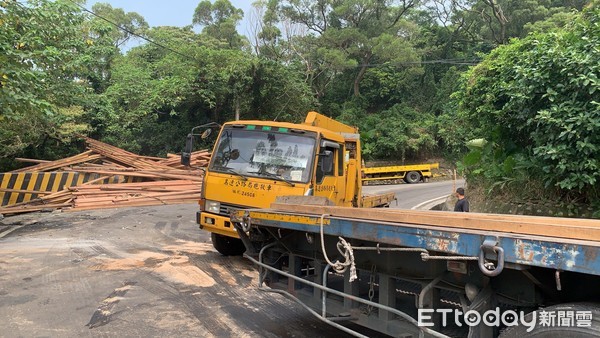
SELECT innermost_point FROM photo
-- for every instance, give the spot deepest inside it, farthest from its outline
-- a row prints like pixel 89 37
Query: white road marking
pixel 441 198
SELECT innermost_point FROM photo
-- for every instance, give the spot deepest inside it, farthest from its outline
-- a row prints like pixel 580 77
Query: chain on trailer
pixel 347 251
pixel 371 288
pixel 489 246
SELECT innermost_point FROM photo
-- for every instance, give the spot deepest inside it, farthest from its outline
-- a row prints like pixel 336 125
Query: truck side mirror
pixel 327 161
pixel 206 134
pixel 186 155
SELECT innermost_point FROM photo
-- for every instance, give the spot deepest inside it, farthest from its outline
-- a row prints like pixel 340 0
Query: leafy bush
pixel 397 133
pixel 537 103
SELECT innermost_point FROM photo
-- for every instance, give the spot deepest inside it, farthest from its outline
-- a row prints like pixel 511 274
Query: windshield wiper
pixel 265 173
pixel 232 171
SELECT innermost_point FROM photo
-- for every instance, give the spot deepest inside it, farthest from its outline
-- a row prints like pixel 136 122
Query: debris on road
pixel 103 176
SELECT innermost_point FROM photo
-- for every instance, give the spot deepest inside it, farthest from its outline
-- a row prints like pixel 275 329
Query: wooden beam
pixel 30 160
pixel 79 158
pixel 30 208
pixel 39 192
pixel 582 229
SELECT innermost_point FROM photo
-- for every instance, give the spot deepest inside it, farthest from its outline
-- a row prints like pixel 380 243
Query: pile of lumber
pixel 104 156
pixel 114 178
pixel 135 194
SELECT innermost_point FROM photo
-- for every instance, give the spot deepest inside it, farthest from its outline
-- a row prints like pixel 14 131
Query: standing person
pixel 462 205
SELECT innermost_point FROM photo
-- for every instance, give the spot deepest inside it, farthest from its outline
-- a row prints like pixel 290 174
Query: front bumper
pixel 216 223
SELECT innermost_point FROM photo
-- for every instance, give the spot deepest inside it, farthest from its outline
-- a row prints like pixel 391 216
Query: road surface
pixel 134 272
pixel 411 195
pixel 144 272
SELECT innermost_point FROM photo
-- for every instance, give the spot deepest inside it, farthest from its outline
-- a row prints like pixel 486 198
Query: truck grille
pixel 226 209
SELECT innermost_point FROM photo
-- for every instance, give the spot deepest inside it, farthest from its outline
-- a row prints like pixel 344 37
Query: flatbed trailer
pixel 409 173
pixel 408 273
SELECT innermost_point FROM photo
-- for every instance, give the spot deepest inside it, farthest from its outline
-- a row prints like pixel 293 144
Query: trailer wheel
pixel 227 246
pixel 412 177
pixel 591 310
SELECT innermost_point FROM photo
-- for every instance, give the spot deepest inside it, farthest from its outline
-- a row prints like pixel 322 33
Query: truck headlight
pixel 212 206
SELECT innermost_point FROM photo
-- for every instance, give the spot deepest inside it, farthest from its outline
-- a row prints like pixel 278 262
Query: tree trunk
pixel 361 74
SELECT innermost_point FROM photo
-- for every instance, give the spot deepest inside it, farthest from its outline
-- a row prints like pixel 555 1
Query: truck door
pixel 330 182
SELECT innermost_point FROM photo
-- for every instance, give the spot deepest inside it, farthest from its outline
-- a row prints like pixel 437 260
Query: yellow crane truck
pixel 255 162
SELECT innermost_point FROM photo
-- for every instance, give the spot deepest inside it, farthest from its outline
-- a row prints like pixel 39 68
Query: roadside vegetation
pixel 420 78
pixel 535 104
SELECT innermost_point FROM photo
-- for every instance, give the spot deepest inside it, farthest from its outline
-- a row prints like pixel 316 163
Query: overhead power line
pixel 461 62
pixel 131 32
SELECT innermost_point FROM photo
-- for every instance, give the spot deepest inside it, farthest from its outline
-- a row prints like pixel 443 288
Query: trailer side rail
pixel 507 249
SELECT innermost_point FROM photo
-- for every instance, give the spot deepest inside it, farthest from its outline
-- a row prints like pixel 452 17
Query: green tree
pixel 42 53
pixel 459 33
pixel 219 21
pixel 351 34
pixel 399 133
pixel 537 103
pixel 266 34
pixel 129 24
pixel 495 22
pixel 106 38
pixel 183 81
pixel 150 87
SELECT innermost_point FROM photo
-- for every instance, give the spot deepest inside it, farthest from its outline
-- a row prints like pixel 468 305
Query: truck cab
pixel 254 162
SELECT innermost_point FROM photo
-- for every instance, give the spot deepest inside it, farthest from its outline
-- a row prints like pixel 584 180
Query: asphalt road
pixel 144 272
pixel 411 195
pixel 136 272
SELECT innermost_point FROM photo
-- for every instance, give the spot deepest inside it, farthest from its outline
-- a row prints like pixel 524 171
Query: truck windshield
pixel 265 153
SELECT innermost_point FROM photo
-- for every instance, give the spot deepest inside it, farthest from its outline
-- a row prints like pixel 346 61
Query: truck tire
pixel 412 177
pixel 559 331
pixel 227 246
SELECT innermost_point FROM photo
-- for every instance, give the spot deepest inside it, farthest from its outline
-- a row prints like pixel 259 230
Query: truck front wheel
pixel 412 177
pixel 227 246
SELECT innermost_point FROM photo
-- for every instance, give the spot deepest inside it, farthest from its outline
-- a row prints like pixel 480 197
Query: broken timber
pixel 103 176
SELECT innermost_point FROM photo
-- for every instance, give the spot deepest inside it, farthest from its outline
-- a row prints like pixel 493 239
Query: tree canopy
pixel 419 78
pixel 41 91
pixel 536 102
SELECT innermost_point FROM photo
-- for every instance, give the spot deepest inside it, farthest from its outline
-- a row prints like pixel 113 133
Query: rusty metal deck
pixel 519 249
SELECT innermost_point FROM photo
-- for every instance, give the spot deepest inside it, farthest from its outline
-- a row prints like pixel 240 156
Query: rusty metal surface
pixel 577 256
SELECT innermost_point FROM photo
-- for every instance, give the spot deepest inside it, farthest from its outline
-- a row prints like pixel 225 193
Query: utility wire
pixel 461 62
pixel 131 32
pixel 471 62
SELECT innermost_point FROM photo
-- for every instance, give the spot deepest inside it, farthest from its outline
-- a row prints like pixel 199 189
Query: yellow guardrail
pixel 25 186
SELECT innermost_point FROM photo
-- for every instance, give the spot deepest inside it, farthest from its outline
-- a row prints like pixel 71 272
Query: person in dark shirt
pixel 462 205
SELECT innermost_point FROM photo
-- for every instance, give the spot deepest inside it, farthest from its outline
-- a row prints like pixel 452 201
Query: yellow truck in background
pixel 408 173
pixel 255 162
